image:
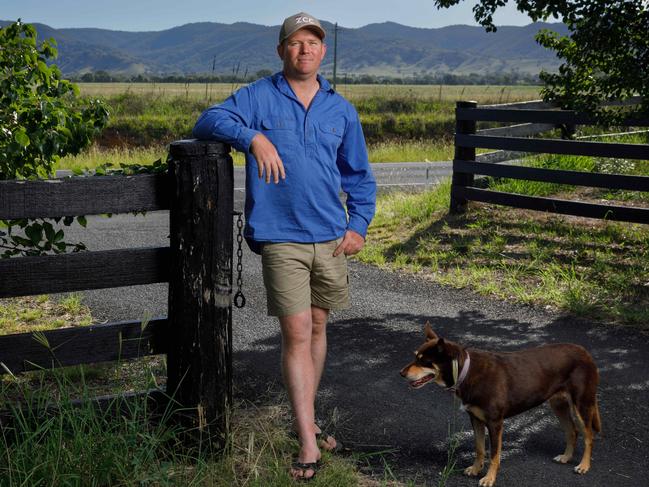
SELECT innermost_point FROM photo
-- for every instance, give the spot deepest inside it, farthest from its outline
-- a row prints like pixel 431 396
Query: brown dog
pixel 494 386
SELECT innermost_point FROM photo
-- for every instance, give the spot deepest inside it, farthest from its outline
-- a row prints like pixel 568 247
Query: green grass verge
pixel 81 446
pixel 390 151
pixel 588 267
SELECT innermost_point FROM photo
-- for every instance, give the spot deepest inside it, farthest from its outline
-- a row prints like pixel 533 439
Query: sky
pixel 153 15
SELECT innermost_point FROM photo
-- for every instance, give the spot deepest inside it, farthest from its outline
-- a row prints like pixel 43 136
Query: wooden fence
pixel 532 118
pixel 196 334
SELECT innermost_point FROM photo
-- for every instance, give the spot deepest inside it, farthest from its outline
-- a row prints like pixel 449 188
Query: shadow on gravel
pixel 376 413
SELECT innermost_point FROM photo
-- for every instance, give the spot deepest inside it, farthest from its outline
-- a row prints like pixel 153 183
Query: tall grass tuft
pixel 76 444
pixel 79 445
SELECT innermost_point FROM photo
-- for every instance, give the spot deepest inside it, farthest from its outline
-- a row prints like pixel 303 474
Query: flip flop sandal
pixel 304 468
pixel 322 438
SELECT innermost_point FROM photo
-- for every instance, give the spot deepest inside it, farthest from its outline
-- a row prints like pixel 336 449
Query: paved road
pixel 373 407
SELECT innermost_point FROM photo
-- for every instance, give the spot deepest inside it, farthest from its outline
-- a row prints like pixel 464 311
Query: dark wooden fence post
pixel 199 361
pixel 461 179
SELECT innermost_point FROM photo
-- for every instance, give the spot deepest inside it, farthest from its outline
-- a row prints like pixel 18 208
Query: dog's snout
pixel 404 371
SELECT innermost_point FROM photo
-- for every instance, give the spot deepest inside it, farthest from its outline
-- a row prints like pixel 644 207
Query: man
pixel 303 142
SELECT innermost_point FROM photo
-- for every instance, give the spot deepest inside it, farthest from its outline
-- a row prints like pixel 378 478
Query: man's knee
pixel 296 329
pixel 319 320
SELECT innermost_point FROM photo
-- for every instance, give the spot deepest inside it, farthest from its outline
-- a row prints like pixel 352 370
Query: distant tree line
pixel 499 78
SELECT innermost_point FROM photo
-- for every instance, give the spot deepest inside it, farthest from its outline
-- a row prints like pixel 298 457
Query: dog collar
pixel 463 374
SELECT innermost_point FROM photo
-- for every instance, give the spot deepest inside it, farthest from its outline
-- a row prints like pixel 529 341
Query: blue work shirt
pixel 322 149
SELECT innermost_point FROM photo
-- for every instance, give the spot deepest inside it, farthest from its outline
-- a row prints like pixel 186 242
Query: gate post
pixel 461 180
pixel 199 361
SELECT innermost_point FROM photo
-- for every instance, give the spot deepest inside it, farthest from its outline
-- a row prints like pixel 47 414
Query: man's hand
pixel 268 160
pixel 352 244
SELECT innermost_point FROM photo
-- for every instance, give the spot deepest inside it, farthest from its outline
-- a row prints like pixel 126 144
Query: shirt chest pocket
pixel 330 134
pixel 280 131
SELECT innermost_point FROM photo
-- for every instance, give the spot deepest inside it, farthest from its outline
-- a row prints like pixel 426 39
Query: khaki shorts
pixel 298 275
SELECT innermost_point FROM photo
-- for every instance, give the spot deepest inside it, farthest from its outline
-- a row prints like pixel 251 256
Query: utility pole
pixel 335 50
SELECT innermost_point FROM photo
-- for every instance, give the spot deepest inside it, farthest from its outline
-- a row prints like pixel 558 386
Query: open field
pixel 219 91
pixel 401 122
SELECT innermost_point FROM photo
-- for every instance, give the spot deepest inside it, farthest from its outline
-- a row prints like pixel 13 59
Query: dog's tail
pixel 597 421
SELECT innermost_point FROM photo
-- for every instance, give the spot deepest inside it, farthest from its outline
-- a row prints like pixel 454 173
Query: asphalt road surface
pixel 373 409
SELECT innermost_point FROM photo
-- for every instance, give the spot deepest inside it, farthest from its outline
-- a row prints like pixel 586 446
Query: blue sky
pixel 147 15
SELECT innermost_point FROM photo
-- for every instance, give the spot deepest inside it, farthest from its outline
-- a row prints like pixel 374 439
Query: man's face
pixel 302 54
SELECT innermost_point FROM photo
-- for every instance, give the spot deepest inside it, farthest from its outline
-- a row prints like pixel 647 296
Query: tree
pixel 41 120
pixel 605 57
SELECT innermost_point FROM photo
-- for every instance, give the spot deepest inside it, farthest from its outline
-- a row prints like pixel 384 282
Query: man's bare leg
pixel 319 318
pixel 318 342
pixel 299 372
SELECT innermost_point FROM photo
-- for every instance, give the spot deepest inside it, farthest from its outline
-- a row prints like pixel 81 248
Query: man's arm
pixel 358 182
pixel 230 123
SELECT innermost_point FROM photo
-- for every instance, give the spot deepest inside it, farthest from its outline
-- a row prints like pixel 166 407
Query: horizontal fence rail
pixel 535 116
pixel 22 352
pixel 46 274
pixel 520 130
pixel 522 105
pixel 558 176
pixel 511 143
pixel 548 146
pixel 565 207
pixel 70 196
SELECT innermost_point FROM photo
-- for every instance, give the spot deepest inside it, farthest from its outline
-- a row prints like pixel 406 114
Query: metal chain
pixel 239 298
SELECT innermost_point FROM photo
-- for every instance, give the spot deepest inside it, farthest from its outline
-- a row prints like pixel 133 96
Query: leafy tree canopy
pixel 605 57
pixel 41 118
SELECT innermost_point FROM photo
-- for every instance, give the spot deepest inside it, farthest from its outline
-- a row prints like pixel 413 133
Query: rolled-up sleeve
pixel 357 180
pixel 228 122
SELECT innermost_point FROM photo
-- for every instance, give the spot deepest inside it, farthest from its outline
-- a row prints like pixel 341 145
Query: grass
pixel 78 445
pixel 412 151
pixel 590 268
pixel 37 313
pixel 215 92
pixel 96 156
pixel 149 114
pixel 394 151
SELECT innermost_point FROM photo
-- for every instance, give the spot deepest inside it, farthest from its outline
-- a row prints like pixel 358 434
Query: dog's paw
pixel 487 481
pixel 473 470
pixel 582 468
pixel 562 458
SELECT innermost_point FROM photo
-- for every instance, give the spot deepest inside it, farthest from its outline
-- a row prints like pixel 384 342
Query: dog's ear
pixel 441 345
pixel 430 334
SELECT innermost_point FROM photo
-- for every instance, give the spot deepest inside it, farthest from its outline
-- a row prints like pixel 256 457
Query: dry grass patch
pixel 38 313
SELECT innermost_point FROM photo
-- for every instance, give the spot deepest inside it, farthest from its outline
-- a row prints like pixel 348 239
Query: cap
pixel 299 21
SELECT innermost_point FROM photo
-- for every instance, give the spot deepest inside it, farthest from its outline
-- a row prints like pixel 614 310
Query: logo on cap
pixel 302 20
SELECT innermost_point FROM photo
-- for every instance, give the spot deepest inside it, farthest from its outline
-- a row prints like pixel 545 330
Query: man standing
pixel 303 143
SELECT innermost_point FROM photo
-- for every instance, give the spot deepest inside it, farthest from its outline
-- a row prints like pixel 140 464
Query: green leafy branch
pixel 41 120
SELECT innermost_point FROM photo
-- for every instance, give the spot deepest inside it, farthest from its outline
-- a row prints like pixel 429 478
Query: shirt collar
pixel 282 84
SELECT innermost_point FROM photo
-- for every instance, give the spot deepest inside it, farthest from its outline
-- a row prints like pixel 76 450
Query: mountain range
pixel 380 49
